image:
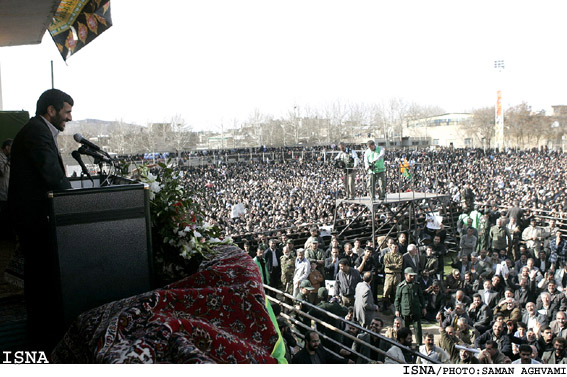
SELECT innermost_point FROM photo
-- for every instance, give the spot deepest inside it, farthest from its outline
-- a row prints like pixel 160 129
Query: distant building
pixel 445 130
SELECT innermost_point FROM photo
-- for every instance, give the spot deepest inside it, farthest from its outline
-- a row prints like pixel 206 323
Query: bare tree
pixel 483 124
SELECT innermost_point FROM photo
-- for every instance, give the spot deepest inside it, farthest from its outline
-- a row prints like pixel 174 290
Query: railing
pixel 319 322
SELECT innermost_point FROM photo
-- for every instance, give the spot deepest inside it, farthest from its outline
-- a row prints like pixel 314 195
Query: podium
pixel 101 242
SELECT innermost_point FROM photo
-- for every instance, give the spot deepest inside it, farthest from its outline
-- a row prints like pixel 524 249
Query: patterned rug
pixel 217 315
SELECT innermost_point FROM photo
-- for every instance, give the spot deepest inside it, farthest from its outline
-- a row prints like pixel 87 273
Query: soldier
pixel 287 261
pixel 410 304
pixel 393 262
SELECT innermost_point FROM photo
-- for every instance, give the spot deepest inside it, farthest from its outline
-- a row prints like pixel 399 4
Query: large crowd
pixel 503 300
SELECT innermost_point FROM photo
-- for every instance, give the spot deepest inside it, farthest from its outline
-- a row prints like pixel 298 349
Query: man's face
pixel 335 253
pixel 372 147
pixel 547 335
pixel 394 248
pixel 477 301
pixel 397 324
pixel 272 244
pixel 497 328
pixel 526 357
pixel 376 326
pixel 402 238
pixel 259 253
pixel 464 354
pixel 300 254
pixel 495 280
pixel 407 340
pixel 551 287
pixel 429 342
pixel 436 240
pixel 314 342
pixel 490 348
pixel 487 285
pixel 348 249
pixel 410 278
pixel 286 251
pixel 558 346
pixel 344 268
pixel 530 307
pixel 59 118
pixel 560 317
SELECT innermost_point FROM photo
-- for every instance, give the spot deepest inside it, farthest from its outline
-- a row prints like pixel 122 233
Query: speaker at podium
pixel 101 239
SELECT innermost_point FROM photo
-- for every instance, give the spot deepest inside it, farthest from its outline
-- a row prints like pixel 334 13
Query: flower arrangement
pixel 181 238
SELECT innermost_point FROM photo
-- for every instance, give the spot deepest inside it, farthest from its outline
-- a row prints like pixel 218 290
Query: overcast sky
pixel 216 61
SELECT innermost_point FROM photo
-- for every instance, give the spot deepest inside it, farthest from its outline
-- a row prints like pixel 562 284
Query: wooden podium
pixel 101 241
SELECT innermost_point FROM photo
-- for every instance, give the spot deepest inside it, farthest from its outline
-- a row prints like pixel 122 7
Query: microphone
pixel 80 139
pixel 97 155
pixel 77 156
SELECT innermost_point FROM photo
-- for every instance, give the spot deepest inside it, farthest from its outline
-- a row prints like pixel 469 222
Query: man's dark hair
pixel 561 340
pixel 308 335
pixel 525 348
pixel 492 343
pixel 403 333
pixel 477 295
pixel 52 97
pixel 344 262
pixel 6 143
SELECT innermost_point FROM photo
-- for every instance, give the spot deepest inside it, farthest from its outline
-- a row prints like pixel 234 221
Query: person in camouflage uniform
pixel 287 262
pixel 393 262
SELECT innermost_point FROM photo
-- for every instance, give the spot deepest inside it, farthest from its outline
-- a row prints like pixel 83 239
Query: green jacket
pixel 409 299
pixel 264 274
pixel 369 156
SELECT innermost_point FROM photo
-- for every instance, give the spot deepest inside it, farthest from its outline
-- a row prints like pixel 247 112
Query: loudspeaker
pixel 102 245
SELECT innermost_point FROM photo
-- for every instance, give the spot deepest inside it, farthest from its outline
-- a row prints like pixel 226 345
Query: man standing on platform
pixel 37 168
pixel 350 162
pixel 374 165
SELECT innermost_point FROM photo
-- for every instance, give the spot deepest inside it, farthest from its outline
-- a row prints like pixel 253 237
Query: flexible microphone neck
pixel 77 156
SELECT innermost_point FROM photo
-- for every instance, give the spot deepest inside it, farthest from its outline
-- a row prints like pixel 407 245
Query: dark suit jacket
pixel 302 357
pixel 408 262
pixel 268 258
pixel 36 168
pixel 492 300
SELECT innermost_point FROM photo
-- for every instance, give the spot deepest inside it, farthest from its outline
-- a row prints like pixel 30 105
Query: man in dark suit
pixel 272 256
pixel 413 259
pixel 313 353
pixel 36 169
pixel 489 296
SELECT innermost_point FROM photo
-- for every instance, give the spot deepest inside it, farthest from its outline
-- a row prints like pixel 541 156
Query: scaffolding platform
pixel 394 198
pixel 395 203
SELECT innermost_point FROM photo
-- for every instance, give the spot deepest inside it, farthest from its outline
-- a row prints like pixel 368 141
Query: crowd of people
pixel 492 308
pixel 503 300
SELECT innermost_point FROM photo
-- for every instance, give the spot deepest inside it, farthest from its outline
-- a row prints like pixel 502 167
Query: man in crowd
pixel 302 270
pixel 346 282
pixel 396 353
pixel 409 303
pixel 364 307
pixel 432 351
pixel 312 353
pixel 374 165
pixel 393 263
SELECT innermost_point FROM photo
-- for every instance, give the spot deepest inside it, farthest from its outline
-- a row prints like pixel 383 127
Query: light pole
pixel 498 113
